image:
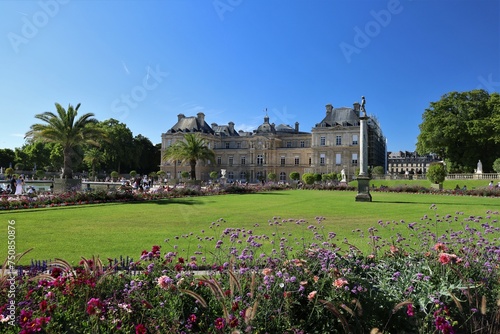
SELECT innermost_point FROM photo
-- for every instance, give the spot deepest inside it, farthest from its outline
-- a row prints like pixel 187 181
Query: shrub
pixel 295 176
pixel 436 173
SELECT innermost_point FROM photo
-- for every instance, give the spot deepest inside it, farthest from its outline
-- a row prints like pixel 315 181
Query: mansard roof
pixel 191 124
pixel 342 116
pixel 225 130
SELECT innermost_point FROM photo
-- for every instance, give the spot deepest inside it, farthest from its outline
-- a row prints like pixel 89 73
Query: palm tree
pixel 63 128
pixel 94 158
pixel 191 149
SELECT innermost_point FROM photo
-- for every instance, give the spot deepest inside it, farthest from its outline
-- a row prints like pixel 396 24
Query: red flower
pixel 220 323
pixel 140 329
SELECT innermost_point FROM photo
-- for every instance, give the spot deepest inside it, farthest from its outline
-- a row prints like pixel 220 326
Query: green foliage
pixel 114 175
pixel 378 170
pixel 317 177
pixel 185 174
pixel 214 175
pixel 496 165
pixel 19 166
pixel 66 129
pixel 436 173
pixel 308 178
pixel 326 177
pixel 132 174
pixel 295 176
pixel 40 173
pixel 193 148
pixel 461 129
pixel 272 176
pixel 9 171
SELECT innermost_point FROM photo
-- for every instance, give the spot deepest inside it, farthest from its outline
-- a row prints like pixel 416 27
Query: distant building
pixel 332 145
pixel 404 162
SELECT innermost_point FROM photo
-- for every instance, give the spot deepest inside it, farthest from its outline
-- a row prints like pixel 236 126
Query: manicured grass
pixel 113 230
pixel 448 184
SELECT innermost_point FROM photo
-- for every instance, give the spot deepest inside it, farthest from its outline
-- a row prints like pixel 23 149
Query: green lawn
pixel 111 230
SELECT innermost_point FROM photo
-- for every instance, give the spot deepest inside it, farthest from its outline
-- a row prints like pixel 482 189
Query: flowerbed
pixel 417 282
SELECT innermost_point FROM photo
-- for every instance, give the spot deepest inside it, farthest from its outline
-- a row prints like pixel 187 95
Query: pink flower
pixel 409 310
pixel 266 271
pixel 340 282
pixel 440 247
pixel 312 295
pixel 165 282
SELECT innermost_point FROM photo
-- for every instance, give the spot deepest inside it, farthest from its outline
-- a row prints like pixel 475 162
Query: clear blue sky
pixel 144 62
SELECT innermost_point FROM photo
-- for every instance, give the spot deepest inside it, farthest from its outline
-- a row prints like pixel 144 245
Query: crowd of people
pixel 16 186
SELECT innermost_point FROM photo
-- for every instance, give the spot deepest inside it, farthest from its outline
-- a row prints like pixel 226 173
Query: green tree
pixel 120 152
pixel 9 171
pixel 7 157
pixel 214 175
pixel 185 174
pixel 93 158
pixel 295 176
pixel 496 165
pixel 65 129
pixel 436 173
pixel 147 155
pixel 114 175
pixel 191 149
pixel 461 129
pixel 272 176
pixel 378 170
pixel 308 178
pixel 132 174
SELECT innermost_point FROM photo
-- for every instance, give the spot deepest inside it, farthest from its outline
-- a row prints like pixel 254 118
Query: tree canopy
pixel 66 129
pixel 462 128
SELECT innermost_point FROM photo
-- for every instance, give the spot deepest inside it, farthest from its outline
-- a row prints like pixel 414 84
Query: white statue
pixel 479 169
pixel 342 174
pixel 363 102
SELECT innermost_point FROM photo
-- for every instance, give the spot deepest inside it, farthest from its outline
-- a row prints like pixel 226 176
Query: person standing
pixel 13 183
pixel 19 186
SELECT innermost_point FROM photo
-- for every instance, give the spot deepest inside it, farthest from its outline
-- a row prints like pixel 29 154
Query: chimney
pixel 231 127
pixel 201 118
pixel 180 116
pixel 296 127
pixel 357 108
pixel 329 109
pixel 214 125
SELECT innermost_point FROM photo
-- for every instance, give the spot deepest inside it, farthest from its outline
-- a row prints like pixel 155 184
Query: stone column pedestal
pixel 65 185
pixel 363 189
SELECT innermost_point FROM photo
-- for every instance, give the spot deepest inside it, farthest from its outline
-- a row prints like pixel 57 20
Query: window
pixel 230 176
pixel 338 140
pixel 354 159
pixel 322 159
pixel 242 176
pixel 169 142
pixel 238 145
pixel 227 145
pixel 310 161
pixel 230 161
pixel 288 144
pixel 297 161
pixel 219 161
pixel 282 176
pixel 260 160
pixel 355 139
pixel 282 160
pixel 338 159
pixel 243 160
pixel 322 141
pixel 302 143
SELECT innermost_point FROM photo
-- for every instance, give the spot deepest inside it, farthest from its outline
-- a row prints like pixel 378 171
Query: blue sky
pixel 144 62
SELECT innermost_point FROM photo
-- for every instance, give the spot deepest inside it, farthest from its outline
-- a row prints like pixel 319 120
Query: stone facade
pixel 409 163
pixel 332 145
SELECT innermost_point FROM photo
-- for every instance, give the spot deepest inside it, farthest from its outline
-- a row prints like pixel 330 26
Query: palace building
pixel 332 145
